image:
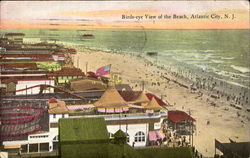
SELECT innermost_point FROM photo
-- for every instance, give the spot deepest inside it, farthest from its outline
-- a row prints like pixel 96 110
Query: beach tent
pixel 111 99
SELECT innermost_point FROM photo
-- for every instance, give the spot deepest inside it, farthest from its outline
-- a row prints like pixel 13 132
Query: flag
pixel 103 70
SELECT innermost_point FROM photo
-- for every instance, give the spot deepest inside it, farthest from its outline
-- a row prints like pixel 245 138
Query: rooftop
pixel 57 107
pixel 111 99
pixel 67 72
pixel 177 116
pixel 83 84
pixel 83 130
pixel 19 65
pixel 180 152
pixel 14 34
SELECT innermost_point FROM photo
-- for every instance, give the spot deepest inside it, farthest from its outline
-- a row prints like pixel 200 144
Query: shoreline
pixel 236 93
pixel 232 121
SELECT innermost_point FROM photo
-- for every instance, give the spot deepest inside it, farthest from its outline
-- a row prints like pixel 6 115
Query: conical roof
pixel 153 104
pixel 142 98
pixel 111 99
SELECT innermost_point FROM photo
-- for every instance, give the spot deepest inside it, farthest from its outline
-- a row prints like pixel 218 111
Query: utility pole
pixel 143 85
pixel 189 128
pixel 86 67
pixel 78 62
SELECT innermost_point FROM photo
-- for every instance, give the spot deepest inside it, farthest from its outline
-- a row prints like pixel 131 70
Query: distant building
pixel 232 149
pixel 21 86
pixel 66 74
pixel 14 50
pixel 85 84
pixel 2 50
pixel 56 110
pixel 88 138
pixel 16 37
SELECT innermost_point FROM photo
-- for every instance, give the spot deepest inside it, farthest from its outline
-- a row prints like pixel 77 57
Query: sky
pixel 108 14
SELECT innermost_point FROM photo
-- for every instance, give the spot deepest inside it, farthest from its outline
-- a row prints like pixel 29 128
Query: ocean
pixel 195 54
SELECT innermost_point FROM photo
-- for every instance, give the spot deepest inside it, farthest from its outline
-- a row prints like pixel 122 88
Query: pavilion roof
pixel 142 98
pixel 153 105
pixel 111 99
pixel 177 116
pixel 159 101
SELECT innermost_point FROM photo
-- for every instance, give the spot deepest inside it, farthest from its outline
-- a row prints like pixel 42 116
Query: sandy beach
pixel 225 121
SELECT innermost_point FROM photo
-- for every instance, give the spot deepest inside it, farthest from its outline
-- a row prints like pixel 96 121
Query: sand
pixel 224 121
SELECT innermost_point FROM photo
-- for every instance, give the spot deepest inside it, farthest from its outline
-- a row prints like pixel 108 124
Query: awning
pixel 155 135
pixel 12 146
pixel 149 111
pixel 79 107
pixel 160 135
pixel 112 110
pixel 152 136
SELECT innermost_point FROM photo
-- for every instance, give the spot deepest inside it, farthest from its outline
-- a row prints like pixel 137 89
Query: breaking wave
pixel 240 69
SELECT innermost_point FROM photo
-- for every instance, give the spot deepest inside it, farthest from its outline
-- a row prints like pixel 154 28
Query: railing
pixel 125 116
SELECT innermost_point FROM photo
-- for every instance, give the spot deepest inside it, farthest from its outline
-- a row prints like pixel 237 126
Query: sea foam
pixel 240 69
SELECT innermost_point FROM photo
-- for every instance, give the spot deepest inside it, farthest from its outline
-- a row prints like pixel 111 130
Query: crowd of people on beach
pixel 195 81
pixel 190 79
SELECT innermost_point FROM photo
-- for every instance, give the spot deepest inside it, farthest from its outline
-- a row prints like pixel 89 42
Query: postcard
pixel 144 74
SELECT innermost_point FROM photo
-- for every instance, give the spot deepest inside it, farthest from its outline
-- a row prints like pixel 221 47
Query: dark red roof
pixel 26 78
pixel 27 60
pixel 33 56
pixel 88 35
pixel 14 34
pixel 92 74
pixel 67 72
pixel 19 65
pixel 159 101
pixel 3 39
pixel 129 95
pixel 71 50
pixel 177 116
pixel 52 100
pixel 28 49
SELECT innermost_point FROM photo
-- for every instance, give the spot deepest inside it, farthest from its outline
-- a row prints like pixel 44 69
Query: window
pixel 55 138
pixel 54 115
pixel 140 137
pixel 127 138
pixel 111 135
pixel 41 136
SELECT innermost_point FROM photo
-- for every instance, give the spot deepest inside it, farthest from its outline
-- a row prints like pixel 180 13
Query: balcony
pixel 128 116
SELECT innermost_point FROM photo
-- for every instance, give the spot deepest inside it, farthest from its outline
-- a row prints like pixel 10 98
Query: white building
pixel 136 125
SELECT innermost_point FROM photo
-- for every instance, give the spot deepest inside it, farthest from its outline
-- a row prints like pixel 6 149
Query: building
pixel 118 115
pixel 88 138
pixel 56 110
pixel 16 37
pixel 232 149
pixel 10 50
pixel 89 83
pixel 28 85
pixel 66 74
pixel 93 142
